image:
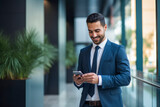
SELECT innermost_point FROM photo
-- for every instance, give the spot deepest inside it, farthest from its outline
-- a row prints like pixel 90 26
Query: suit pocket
pixel 115 91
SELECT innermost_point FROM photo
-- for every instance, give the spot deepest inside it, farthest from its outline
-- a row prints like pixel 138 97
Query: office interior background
pixel 132 23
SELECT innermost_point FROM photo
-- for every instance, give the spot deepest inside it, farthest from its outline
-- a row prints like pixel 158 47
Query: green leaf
pixel 18 58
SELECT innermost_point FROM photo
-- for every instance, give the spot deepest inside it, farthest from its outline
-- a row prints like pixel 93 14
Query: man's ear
pixel 105 27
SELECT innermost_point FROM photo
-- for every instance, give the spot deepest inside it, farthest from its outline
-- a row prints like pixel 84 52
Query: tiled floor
pixel 68 98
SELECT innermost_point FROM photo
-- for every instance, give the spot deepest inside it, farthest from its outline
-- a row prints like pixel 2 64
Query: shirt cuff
pixel 100 80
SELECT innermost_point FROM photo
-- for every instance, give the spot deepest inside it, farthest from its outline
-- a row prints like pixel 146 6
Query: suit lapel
pixel 105 54
pixel 88 58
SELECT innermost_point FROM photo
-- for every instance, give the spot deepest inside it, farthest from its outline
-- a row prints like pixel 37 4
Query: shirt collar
pixel 101 45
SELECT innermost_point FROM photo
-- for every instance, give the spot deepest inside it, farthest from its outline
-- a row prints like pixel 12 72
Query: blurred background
pixel 132 23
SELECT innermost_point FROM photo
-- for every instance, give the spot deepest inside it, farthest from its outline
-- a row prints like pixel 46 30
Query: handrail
pixel 146 81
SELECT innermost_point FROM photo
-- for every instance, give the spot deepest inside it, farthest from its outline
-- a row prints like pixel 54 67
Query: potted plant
pixel 17 60
pixel 70 61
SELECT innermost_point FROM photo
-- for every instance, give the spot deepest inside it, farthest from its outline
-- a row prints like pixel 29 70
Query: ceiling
pixel 82 8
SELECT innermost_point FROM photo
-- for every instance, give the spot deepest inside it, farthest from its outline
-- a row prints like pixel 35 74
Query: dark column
pixel 158 35
pixel 139 52
pixel 158 97
pixel 123 39
pixel 55 28
pixel 158 46
pixel 18 15
pixel 70 19
pixel 12 16
pixel 51 29
pixel 69 32
pixel 139 37
pixel 12 19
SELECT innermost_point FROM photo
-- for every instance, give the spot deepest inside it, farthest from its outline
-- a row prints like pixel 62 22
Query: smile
pixel 95 37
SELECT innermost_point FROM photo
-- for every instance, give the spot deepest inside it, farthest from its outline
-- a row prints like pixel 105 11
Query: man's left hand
pixel 91 78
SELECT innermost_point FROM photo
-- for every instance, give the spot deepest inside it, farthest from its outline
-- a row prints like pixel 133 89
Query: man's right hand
pixel 78 79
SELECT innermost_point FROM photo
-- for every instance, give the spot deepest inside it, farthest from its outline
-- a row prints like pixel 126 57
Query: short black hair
pixel 94 17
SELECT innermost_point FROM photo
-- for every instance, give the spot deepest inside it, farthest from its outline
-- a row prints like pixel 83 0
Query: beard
pixel 98 39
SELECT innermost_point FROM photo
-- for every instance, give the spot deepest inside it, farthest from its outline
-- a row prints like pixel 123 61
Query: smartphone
pixel 77 73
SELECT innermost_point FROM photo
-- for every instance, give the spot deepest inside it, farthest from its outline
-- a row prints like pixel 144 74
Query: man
pixel 105 68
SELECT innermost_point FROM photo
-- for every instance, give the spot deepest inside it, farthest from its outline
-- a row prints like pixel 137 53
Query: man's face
pixel 97 32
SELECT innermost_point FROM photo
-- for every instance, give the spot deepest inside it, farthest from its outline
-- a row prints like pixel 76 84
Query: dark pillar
pixel 55 28
pixel 12 16
pixel 139 37
pixel 69 32
pixel 18 15
pixel 12 19
pixel 123 39
pixel 70 19
pixel 158 97
pixel 158 46
pixel 158 35
pixel 51 29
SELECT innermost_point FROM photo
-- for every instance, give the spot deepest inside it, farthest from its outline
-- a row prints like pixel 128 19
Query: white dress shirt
pixel 95 97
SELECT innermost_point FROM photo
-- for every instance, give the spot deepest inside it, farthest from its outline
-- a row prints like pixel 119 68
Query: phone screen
pixel 77 72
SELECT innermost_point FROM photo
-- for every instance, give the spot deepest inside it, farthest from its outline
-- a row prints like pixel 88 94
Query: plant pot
pixel 12 93
pixel 23 93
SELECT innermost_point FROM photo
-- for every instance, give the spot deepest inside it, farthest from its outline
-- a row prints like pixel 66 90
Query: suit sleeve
pixel 122 76
pixel 79 68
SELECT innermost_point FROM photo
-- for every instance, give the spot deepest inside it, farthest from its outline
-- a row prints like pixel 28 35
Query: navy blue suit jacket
pixel 114 69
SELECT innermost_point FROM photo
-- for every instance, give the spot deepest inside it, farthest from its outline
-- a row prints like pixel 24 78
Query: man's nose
pixel 94 34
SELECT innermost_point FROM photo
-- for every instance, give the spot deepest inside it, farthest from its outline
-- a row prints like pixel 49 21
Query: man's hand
pixel 78 79
pixel 90 78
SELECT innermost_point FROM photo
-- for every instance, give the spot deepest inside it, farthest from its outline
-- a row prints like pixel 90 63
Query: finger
pixel 74 76
pixel 88 78
pixel 90 81
pixel 78 77
pixel 80 80
pixel 88 74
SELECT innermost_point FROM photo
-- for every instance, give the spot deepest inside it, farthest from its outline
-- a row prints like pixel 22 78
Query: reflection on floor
pixel 68 98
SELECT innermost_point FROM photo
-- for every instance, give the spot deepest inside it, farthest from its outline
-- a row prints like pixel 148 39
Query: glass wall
pixel 140 94
pixel 149 35
pixel 143 91
pixel 130 28
pixel 113 32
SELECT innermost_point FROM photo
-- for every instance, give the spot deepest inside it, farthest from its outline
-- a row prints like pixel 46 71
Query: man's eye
pixel 97 31
pixel 90 31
